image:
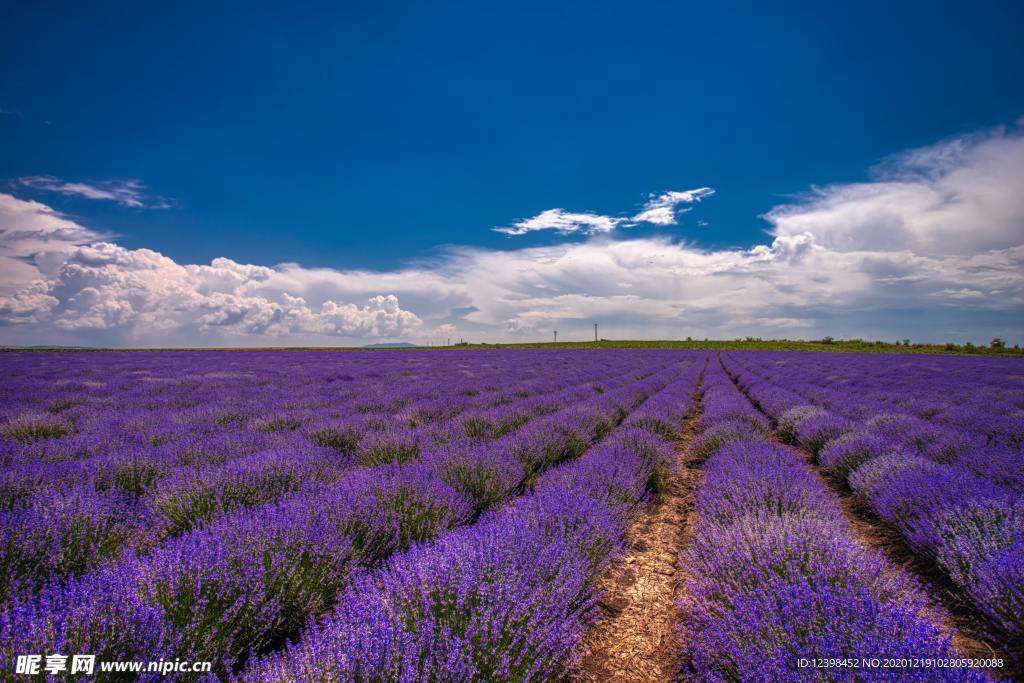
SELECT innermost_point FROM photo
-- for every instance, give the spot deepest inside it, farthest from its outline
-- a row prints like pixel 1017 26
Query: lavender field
pixel 299 516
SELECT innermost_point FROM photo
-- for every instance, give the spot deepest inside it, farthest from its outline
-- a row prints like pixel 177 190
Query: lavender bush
pixel 936 454
pixel 776 574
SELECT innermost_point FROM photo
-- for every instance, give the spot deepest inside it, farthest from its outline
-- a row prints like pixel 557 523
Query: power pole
pixel 556 336
pixel 595 331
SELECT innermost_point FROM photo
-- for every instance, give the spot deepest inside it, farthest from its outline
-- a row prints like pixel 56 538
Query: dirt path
pixel 637 640
pixel 948 610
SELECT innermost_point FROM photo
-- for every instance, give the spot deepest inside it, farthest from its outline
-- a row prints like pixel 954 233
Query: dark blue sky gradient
pixel 365 135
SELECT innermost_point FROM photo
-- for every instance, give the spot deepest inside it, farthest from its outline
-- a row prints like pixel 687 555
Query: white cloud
pixel 105 286
pixel 959 196
pixel 35 241
pixel 130 192
pixel 932 248
pixel 661 210
pixel 31 303
pixel 60 276
pixel 564 223
pixel 960 294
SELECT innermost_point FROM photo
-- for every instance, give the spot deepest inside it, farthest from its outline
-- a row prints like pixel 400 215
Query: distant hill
pixel 750 343
pixel 48 347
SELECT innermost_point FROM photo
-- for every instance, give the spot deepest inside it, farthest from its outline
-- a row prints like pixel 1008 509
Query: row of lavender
pixel 978 400
pixel 508 598
pixel 126 425
pixel 64 517
pixel 924 454
pixel 202 408
pixel 192 404
pixel 776 573
pixel 248 580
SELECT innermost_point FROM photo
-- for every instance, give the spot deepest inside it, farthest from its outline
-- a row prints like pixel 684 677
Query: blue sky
pixel 393 138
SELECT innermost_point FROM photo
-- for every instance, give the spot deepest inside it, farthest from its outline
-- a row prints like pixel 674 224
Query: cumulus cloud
pixel 662 209
pixel 31 303
pixel 932 247
pixel 35 241
pixel 959 196
pixel 106 286
pixel 60 275
pixel 130 192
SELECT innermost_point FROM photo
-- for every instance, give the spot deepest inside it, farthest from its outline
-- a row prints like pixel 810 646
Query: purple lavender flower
pixel 35 427
pixel 759 477
pixel 100 614
pixel 192 496
pixel 60 533
pixel 981 546
pixel 817 431
pixel 791 421
pixel 500 602
pixel 844 454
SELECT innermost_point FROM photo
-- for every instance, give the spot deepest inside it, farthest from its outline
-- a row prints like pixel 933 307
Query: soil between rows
pixel 636 640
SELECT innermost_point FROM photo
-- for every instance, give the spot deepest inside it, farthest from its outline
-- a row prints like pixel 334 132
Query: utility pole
pixel 556 336
pixel 595 331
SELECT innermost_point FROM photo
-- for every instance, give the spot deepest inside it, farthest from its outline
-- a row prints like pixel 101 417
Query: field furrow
pixel 636 639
